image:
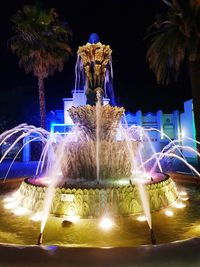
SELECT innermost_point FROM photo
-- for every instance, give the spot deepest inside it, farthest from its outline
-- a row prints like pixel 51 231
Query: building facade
pixel 165 126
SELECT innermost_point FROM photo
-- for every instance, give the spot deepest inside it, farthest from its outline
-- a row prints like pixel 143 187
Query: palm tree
pixel 41 41
pixel 174 39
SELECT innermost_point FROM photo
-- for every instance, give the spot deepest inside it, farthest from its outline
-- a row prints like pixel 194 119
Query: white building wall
pixel 176 122
pixel 188 128
pixel 68 103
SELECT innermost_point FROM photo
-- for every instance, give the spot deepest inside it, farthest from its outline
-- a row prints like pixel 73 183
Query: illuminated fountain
pixel 99 168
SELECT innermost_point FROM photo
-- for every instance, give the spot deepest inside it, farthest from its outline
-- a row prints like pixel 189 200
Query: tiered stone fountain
pixel 79 192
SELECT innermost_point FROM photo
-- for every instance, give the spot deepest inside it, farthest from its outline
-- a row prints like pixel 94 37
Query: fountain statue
pixel 95 169
pixel 95 58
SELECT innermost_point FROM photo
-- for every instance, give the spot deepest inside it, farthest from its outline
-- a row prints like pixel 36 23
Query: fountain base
pixel 93 201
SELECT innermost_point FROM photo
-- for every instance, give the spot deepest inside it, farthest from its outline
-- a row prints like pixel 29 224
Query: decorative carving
pixel 80 160
pixel 85 118
pixel 122 200
pixel 95 58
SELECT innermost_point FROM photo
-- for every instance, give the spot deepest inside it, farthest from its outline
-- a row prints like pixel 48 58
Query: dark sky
pixel 122 25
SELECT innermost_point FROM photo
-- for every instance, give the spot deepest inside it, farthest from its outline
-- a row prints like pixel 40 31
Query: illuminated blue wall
pixel 176 125
pixel 188 128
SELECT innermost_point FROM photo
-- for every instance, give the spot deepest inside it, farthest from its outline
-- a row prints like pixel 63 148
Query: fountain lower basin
pixel 92 201
pixel 127 231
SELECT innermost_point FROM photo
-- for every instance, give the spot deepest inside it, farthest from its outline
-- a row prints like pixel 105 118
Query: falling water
pixel 22 131
pixel 134 169
pixel 55 176
pixel 98 111
pixel 171 155
pixel 145 203
pixel 171 143
pixel 128 141
pixel 79 75
pixel 11 164
pixel 108 83
pixel 143 137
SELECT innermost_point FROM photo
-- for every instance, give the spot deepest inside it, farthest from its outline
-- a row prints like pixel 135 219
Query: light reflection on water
pixel 127 231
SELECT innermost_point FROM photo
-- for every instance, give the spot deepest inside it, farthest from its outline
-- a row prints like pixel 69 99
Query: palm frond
pixel 41 40
pixel 174 35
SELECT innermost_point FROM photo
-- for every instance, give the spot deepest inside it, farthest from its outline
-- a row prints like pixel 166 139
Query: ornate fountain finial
pixel 95 58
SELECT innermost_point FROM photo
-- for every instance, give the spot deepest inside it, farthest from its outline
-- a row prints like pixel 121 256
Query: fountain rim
pixel 104 185
pixel 123 256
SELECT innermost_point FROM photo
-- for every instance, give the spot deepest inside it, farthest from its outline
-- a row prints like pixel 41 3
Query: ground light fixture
pixel 106 223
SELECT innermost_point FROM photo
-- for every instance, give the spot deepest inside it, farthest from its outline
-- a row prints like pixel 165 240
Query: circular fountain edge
pixel 94 202
pixel 132 256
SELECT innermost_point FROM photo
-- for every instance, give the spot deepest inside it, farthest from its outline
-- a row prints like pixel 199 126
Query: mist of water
pixel 135 169
pixel 54 174
pixel 144 137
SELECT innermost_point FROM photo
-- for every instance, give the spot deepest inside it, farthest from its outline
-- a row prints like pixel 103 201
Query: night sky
pixel 122 25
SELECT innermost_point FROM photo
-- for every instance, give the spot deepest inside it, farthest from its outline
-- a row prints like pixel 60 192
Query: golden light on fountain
pixel 183 193
pixel 123 182
pixel 20 211
pixel 179 205
pixel 141 218
pixel 8 199
pixel 184 198
pixel 10 205
pixel 36 217
pixel 169 213
pixel 11 197
pixel 72 218
pixel 106 223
